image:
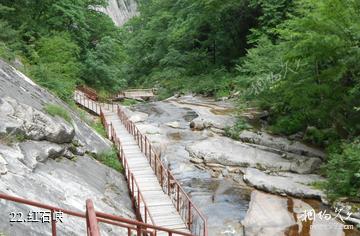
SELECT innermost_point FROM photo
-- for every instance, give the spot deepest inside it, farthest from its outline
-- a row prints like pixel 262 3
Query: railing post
pixel 91 220
pixel 161 176
pixel 138 231
pixel 142 143
pixel 150 154
pixel 168 181
pixel 138 197
pixel 145 212
pixel 205 227
pixel 155 165
pixel 137 136
pixel 178 198
pixel 145 146
pixel 189 215
pixel 53 224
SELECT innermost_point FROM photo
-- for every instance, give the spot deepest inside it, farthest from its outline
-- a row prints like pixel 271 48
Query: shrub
pixel 234 131
pixel 10 139
pixel 55 110
pixel 343 171
pixel 98 127
pixel 129 102
pixel 110 159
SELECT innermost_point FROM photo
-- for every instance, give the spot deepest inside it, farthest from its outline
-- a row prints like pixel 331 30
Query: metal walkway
pixel 157 196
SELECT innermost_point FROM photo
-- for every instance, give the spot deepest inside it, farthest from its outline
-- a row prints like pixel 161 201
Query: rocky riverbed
pixel 221 174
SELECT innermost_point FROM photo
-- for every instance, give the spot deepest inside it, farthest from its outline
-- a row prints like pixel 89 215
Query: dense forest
pixel 299 60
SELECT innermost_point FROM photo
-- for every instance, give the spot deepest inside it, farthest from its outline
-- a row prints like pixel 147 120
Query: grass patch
pixel 10 139
pixel 319 185
pixel 93 123
pixel 98 127
pixel 55 110
pixel 129 102
pixel 110 159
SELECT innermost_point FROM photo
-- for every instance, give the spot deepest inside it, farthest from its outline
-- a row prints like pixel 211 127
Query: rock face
pixel 285 183
pixel 121 11
pixel 16 86
pixel 270 215
pixel 33 147
pixel 35 152
pixel 18 118
pixel 207 114
pixel 280 143
pixel 62 183
pixel 227 152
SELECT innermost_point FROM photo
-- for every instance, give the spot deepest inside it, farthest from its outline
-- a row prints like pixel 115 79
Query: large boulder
pixel 200 124
pixel 285 183
pixel 227 152
pixel 271 215
pixel 34 124
pixel 280 143
pixel 36 151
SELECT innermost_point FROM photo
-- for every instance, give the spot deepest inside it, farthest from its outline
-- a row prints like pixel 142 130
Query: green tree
pixel 57 66
pixel 103 65
pixel 318 65
pixel 343 171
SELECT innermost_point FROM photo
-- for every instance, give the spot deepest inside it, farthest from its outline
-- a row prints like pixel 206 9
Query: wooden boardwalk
pixel 138 94
pixel 154 205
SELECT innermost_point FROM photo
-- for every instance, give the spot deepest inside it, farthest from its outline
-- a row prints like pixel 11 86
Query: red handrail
pixel 164 175
pixel 138 227
pixel 195 220
pixel 91 221
pixel 89 92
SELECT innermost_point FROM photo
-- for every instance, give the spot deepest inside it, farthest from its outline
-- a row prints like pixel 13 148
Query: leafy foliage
pixel 343 171
pixel 315 63
pixel 57 65
pixel 179 44
pixel 63 43
pixel 102 63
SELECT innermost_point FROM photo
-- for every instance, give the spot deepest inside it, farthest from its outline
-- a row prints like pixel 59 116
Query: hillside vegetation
pixel 297 59
pixel 63 43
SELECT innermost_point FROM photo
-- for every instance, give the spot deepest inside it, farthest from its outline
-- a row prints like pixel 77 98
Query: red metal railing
pixel 89 92
pixel 92 218
pixel 195 220
pixel 94 106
